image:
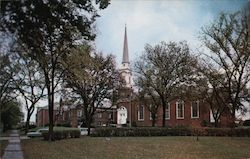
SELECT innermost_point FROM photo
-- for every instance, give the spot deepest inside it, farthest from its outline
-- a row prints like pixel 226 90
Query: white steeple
pixel 125 58
pixel 125 68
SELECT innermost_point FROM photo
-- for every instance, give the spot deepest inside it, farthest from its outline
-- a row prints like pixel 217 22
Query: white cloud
pixel 148 22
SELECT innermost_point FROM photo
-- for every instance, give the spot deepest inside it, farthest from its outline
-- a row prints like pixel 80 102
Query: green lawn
pixel 3 145
pixel 139 148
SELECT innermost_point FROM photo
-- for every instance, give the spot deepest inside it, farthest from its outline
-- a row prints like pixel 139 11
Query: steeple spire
pixel 125 58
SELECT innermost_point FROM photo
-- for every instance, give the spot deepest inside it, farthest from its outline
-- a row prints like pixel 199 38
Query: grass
pixel 139 148
pixel 3 145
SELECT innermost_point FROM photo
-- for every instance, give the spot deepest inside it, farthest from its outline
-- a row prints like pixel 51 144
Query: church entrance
pixel 122 115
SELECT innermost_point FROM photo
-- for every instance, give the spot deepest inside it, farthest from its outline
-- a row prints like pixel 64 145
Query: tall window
pixel 141 113
pixel 195 109
pixel 79 113
pixel 180 109
pixel 111 115
pixel 167 111
pixel 99 115
pixel 150 112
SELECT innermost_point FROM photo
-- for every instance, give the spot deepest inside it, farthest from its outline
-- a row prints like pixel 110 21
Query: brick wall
pixel 173 121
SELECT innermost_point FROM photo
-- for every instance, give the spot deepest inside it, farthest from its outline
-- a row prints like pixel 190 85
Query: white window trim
pixel 150 114
pixel 110 115
pixel 79 113
pixel 99 115
pixel 169 110
pixel 177 102
pixel 198 109
pixel 138 113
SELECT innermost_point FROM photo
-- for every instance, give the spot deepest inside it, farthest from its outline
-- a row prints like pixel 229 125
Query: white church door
pixel 122 115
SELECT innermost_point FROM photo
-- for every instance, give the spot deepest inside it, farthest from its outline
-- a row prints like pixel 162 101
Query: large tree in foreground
pixel 228 40
pixel 49 29
pixel 93 79
pixel 163 69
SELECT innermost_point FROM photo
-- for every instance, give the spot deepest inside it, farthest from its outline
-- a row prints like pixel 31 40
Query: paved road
pixel 13 150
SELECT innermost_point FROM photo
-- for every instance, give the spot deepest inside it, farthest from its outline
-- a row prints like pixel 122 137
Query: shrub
pixel 64 124
pixel 32 126
pixel 204 123
pixel 246 123
pixel 45 135
pixel 149 131
pixel 134 124
pixel 176 131
pixel 63 133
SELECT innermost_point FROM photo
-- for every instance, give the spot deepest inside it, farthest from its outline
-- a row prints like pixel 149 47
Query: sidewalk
pixel 13 150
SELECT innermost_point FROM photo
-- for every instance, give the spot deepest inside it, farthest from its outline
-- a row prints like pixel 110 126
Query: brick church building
pixel 133 112
pixel 130 111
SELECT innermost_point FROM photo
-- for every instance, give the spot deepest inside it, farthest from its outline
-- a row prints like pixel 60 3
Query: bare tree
pixel 150 99
pixel 228 41
pixel 49 29
pixel 29 82
pixel 92 78
pixel 213 92
pixel 6 85
pixel 164 68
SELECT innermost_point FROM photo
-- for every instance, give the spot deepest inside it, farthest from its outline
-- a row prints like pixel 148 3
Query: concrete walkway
pixel 13 150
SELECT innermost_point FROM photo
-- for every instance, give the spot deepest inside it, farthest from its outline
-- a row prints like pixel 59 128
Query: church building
pixel 131 111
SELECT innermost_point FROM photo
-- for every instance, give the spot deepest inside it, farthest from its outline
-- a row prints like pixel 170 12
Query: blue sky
pixel 152 21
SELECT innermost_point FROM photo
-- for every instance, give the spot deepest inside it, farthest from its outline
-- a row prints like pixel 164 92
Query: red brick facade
pixel 200 118
pixel 187 120
pixel 108 117
pixel 42 116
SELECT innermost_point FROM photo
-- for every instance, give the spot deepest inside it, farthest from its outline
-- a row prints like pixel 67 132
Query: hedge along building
pixel 134 112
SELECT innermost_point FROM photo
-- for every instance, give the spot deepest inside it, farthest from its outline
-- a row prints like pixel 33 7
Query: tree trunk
pixel 232 121
pixel 50 105
pixel 88 125
pixel 27 124
pixel 153 120
pixel 88 129
pixel 216 122
pixel 164 113
pixel 50 118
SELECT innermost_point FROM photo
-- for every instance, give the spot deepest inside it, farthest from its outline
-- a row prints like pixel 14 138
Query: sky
pixel 153 21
